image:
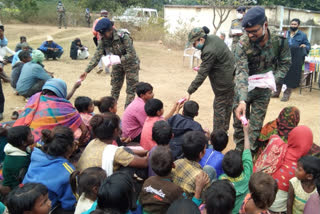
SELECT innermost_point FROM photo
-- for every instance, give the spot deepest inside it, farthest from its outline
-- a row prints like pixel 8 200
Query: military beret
pixel 241 9
pixel 103 25
pixel 195 34
pixel 253 17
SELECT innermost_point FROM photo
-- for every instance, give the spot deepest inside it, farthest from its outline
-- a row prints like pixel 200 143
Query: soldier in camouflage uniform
pixel 257 52
pixel 118 43
pixel 217 63
pixel 61 15
pixel 237 26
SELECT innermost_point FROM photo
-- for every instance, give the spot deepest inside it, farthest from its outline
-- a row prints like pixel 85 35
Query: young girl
pixel 85 107
pixel 116 195
pixel 303 185
pixel 101 153
pixel 86 185
pixel 50 166
pixel 31 198
pixel 263 189
pixel 106 104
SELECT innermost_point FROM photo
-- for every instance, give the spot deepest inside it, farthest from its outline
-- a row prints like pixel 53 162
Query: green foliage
pixel 307 4
pixel 27 8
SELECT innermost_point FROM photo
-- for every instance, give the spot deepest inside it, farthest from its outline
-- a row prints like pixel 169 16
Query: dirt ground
pixel 160 66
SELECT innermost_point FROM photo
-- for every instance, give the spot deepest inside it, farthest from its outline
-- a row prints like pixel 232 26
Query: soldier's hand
pixel 188 96
pixel 240 110
pixel 83 76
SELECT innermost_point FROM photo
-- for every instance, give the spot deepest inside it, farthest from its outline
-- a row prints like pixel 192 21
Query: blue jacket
pixel 298 39
pixel 54 173
pixel 45 45
pixel 16 59
pixel 213 158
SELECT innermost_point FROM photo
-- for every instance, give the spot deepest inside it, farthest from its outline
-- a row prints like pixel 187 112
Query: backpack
pixel 272 156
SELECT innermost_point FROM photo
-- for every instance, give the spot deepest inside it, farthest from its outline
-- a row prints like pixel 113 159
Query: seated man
pixel 24 57
pixel 24 47
pixel 23 39
pixel 33 76
pixel 78 51
pixel 50 49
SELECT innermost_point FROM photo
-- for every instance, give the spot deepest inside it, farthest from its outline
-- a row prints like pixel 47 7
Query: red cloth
pixel 299 143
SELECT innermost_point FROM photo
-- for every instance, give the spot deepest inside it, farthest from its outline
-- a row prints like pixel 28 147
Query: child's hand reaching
pixel 246 136
pixel 202 180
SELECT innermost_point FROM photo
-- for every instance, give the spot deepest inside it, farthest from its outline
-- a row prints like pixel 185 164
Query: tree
pixel 309 4
pixel 222 9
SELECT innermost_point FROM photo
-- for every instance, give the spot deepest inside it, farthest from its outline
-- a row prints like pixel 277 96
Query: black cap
pixel 241 9
pixel 253 17
pixel 103 25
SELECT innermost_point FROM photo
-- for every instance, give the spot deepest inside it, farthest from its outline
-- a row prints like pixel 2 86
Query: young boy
pixel 85 107
pixel 154 110
pixel 181 124
pixel 134 115
pixel 158 192
pixel 238 170
pixel 214 157
pixel 161 134
pixel 17 158
pixel 24 57
pixel 187 169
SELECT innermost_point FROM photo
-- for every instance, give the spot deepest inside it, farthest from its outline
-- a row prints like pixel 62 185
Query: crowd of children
pixel 149 163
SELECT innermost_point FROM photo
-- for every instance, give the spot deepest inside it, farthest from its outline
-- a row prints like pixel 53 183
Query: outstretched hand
pixel 240 110
pixel 83 76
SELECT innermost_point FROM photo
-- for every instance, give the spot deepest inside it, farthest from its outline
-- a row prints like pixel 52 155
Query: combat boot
pixel 277 93
pixel 286 95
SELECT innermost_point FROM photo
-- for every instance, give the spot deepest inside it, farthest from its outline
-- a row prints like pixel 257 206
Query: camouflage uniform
pixel 61 15
pixel 217 63
pixel 235 25
pixel 253 59
pixel 121 45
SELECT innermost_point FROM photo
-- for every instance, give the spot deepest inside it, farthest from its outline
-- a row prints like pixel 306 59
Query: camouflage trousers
pixel 62 18
pixel 222 107
pixel 131 73
pixel 257 105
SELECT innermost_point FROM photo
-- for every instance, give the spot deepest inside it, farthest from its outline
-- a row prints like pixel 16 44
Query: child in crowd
pixel 303 185
pixel 154 110
pixel 238 170
pixel 86 185
pixel 50 166
pixel 101 153
pixel 116 195
pixel 263 190
pixel 134 115
pixel 85 107
pixel 187 169
pixel 182 123
pixel 158 192
pixel 220 198
pixel 185 206
pixel 313 204
pixel 161 134
pixel 24 57
pixel 17 157
pixel 214 157
pixel 29 198
pixel 107 104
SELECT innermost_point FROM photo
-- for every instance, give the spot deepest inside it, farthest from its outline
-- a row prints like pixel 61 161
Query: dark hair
pixel 263 189
pixel 82 103
pixel 194 143
pixel 185 206
pixel 219 140
pixel 105 103
pixel 220 197
pixel 18 135
pixel 190 109
pixel 232 163
pixel 161 132
pixel 23 55
pixel 311 165
pixel 206 29
pixel 85 181
pixel 58 141
pixel 142 88
pixel 23 37
pixel 117 193
pixel 152 106
pixel 103 126
pixel 161 161
pixel 296 20
pixel 23 198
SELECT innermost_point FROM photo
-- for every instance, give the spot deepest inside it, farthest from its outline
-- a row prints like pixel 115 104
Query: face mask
pixel 261 37
pixel 239 16
pixel 199 46
pixel 293 29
